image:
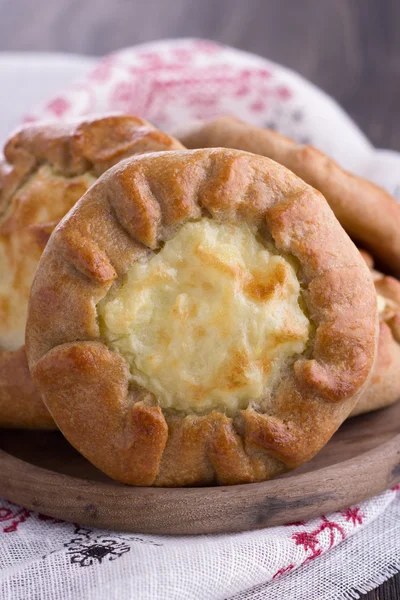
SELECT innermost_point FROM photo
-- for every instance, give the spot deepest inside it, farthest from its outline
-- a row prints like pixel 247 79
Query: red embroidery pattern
pixel 186 80
pixel 58 107
pixel 201 93
pixel 11 517
pixel 15 516
pixel 284 570
pixel 354 515
pixel 312 544
pixel 326 524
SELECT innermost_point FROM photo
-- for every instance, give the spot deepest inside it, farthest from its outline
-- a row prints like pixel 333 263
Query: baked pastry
pixel 384 386
pixel 200 317
pixel 367 212
pixel 46 169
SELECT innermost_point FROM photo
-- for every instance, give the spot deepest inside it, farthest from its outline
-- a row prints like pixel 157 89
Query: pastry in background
pixel 368 213
pixel 45 170
pixel 384 386
pixel 200 317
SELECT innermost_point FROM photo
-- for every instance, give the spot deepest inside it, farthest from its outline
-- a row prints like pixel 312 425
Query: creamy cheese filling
pixel 210 321
pixel 35 209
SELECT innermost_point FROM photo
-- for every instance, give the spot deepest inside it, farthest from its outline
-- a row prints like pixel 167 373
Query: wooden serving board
pixel 41 471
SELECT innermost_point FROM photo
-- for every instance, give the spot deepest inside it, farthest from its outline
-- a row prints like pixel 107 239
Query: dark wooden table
pixel 350 48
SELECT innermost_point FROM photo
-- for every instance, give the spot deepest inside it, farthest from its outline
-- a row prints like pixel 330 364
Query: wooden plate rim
pixel 201 510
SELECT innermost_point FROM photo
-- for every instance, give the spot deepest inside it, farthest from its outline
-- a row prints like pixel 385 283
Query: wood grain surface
pixel 41 471
pixel 350 48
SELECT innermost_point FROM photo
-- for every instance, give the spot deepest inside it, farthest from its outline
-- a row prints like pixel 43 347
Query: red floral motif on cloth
pixel 354 515
pixel 311 541
pixel 11 517
pixel 191 79
pixel 58 107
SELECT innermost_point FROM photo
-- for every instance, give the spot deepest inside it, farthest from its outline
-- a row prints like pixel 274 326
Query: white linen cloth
pixel 332 557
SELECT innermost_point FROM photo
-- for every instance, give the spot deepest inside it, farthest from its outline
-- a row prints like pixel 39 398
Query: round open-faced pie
pixel 368 213
pixel 45 170
pixel 200 317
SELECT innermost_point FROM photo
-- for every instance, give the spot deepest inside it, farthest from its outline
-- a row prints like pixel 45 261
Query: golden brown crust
pixel 367 212
pixel 20 403
pixel 46 169
pixel 384 386
pixel 85 385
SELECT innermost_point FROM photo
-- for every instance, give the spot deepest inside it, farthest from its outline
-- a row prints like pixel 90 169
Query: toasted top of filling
pixel 209 321
pixel 25 227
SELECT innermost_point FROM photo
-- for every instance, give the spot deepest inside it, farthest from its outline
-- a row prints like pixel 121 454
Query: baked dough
pixel 113 285
pixel 367 212
pixel 46 169
pixel 384 386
